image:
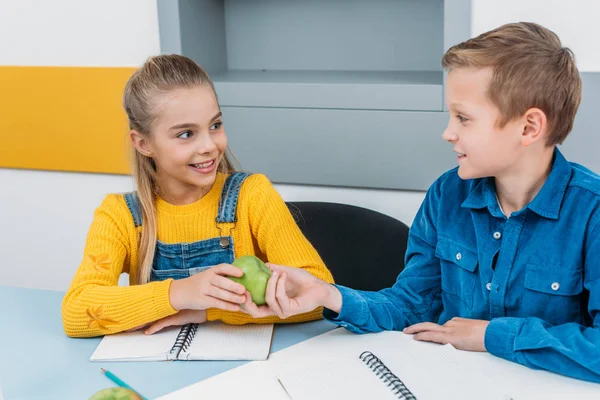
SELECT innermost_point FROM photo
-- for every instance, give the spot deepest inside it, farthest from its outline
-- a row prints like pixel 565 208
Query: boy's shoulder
pixel 584 179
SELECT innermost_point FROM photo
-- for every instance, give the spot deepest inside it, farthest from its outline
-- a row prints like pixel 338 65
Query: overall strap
pixel 229 197
pixel 135 207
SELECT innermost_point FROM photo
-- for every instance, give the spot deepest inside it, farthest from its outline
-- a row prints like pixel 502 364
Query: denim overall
pixel 181 260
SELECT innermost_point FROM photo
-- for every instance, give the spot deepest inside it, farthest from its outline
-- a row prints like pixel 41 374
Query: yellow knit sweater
pixel 95 304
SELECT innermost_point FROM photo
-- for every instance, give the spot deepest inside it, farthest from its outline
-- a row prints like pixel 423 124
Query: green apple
pixel 115 393
pixel 255 278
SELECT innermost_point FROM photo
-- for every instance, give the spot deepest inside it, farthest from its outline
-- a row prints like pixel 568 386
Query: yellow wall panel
pixel 64 119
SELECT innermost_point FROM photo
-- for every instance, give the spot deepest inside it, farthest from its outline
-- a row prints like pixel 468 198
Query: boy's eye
pixel 216 126
pixel 185 135
pixel 461 118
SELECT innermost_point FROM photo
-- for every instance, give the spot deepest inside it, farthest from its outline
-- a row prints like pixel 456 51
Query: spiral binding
pixel 183 341
pixel 387 376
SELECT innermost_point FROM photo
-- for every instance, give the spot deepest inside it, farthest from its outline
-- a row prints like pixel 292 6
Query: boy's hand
pixel 256 311
pixel 210 288
pixel 462 333
pixel 294 291
pixel 181 318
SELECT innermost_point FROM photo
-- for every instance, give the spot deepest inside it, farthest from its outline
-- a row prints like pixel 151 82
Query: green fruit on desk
pixel 255 278
pixel 115 393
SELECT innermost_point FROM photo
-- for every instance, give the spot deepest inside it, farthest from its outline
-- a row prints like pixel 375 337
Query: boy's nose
pixel 449 135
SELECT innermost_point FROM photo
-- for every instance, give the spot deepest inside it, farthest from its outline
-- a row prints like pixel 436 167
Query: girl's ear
pixel 140 142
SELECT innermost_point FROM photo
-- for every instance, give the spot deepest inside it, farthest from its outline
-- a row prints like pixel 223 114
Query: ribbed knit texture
pixel 95 305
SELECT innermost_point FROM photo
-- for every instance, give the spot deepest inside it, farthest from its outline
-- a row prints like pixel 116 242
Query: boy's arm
pixel 281 241
pixel 95 305
pixel 416 295
pixel 570 349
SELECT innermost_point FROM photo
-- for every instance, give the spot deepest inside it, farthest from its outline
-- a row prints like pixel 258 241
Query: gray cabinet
pixel 326 92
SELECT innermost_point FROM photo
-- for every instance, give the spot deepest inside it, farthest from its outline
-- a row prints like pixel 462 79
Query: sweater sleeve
pixel 281 242
pixel 94 304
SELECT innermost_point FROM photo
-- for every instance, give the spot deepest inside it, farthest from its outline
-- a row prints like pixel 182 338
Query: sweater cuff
pixel 161 299
pixel 500 336
pixel 353 311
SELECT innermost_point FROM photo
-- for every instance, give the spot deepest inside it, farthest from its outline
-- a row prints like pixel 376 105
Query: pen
pixel 284 389
pixel 119 382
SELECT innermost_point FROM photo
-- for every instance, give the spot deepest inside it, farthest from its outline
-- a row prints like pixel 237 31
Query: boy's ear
pixel 140 143
pixel 536 125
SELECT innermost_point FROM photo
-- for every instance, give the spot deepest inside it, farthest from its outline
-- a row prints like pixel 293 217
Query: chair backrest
pixel 363 249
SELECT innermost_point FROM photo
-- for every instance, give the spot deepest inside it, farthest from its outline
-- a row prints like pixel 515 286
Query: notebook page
pixel 136 346
pixel 426 371
pixel 219 341
pixel 313 377
pixel 253 381
pixel 429 371
pixel 527 383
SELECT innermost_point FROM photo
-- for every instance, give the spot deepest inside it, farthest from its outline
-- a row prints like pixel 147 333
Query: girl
pixel 191 216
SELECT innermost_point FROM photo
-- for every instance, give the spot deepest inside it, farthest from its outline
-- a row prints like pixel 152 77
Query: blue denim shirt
pixel 534 275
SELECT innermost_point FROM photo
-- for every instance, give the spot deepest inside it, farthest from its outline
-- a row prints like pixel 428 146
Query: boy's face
pixel 482 147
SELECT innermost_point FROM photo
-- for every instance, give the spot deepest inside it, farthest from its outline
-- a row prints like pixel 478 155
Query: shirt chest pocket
pixel 552 293
pixel 458 269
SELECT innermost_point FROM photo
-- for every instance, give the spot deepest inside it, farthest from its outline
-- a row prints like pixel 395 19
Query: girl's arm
pixel 277 238
pixel 95 305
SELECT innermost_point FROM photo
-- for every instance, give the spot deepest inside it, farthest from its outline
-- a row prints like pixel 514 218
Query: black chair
pixel 363 249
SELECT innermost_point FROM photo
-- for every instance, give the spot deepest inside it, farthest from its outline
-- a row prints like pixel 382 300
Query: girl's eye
pixel 185 135
pixel 216 126
pixel 461 118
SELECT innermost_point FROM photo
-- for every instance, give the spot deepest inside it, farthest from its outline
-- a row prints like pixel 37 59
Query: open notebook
pixel 207 341
pixel 341 365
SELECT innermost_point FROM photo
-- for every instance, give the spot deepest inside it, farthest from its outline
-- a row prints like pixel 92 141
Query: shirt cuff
pixel 353 311
pixel 500 336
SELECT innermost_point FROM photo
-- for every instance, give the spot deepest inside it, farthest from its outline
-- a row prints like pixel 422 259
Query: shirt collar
pixel 546 203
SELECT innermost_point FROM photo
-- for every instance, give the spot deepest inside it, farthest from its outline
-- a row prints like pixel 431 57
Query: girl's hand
pixel 183 317
pixel 462 333
pixel 209 289
pixel 292 291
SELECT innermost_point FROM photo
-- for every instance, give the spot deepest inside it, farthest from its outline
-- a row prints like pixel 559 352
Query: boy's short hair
pixel 531 68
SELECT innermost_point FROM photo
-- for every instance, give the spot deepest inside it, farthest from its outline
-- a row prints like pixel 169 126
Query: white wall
pixel 576 22
pixel 45 217
pixel 108 33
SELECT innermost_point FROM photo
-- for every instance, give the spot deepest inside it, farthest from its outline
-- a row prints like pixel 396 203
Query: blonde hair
pixel 159 75
pixel 531 68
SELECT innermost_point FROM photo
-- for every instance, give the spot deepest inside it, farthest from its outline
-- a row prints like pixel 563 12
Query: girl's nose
pixel 206 144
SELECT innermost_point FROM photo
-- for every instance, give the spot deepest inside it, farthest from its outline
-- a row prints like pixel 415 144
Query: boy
pixel 510 240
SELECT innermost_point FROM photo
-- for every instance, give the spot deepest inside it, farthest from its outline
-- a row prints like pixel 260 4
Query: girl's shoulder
pixel 116 208
pixel 256 184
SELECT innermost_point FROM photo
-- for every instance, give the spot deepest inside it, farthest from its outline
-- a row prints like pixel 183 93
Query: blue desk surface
pixel 38 361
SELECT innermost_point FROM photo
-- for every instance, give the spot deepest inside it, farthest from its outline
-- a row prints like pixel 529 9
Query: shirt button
pixel 555 286
pixel 497 235
pixel 458 256
pixel 488 286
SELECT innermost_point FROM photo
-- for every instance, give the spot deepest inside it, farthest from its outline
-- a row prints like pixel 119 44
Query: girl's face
pixel 187 143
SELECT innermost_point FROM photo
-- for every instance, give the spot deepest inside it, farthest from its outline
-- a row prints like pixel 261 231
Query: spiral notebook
pixel 207 341
pixel 386 365
pixel 343 365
